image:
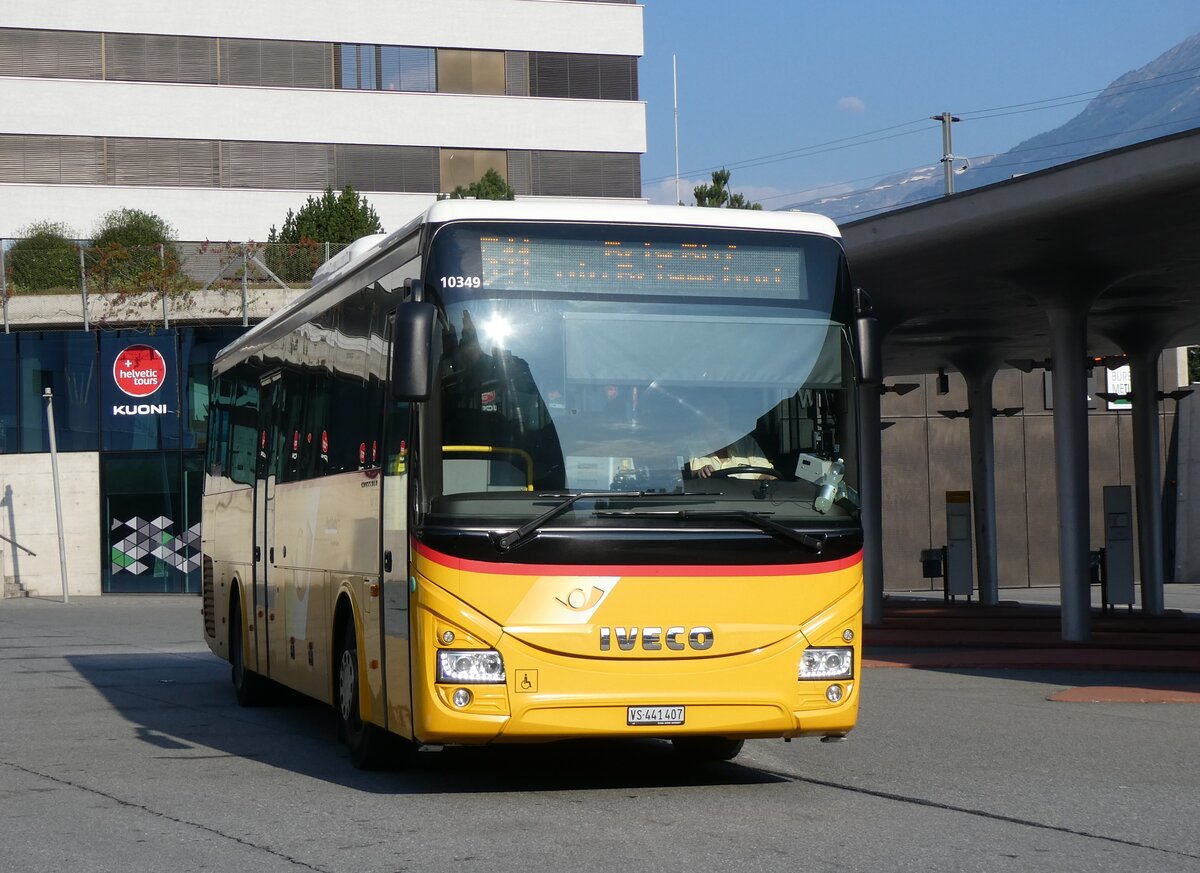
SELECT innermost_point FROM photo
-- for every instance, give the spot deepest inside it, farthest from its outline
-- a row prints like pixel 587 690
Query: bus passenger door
pixel 396 618
pixel 264 509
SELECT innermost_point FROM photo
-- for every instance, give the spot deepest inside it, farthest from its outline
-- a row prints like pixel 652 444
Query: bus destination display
pixel 642 267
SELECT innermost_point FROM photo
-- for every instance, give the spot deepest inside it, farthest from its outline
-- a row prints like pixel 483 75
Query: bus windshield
pixel 697 369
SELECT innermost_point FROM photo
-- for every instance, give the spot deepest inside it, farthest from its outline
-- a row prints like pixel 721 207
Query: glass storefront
pixel 140 399
pixel 151 512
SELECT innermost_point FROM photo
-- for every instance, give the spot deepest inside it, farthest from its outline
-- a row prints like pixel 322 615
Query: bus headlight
pixel 832 663
pixel 479 667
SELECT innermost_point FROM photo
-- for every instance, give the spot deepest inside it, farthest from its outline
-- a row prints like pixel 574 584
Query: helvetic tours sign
pixel 139 371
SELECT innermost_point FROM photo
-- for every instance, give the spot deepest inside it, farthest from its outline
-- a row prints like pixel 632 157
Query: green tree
pixel 335 218
pixel 296 250
pixel 492 186
pixel 45 257
pixel 718 194
pixel 1194 364
pixel 134 251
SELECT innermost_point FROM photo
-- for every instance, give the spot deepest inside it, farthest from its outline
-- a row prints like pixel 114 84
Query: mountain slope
pixel 1161 98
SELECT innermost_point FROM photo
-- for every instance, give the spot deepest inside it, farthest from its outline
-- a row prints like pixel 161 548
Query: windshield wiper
pixel 815 543
pixel 504 542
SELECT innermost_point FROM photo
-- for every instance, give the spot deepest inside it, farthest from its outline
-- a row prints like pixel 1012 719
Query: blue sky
pixel 758 78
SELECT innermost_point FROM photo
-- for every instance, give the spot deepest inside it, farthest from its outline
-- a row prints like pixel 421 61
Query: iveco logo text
pixel 141 409
pixel 654 639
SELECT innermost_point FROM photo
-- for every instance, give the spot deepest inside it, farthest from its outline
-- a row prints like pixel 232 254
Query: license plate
pixel 652 715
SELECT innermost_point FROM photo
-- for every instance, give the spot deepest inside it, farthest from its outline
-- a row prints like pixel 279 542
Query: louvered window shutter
pixel 520 172
pixel 240 62
pixel 618 77
pixel 551 174
pixel 51 160
pixel 57 54
pixel 584 77
pixel 150 58
pixel 516 74
pixel 421 169
pixel 622 175
pixel 551 75
pixel 587 174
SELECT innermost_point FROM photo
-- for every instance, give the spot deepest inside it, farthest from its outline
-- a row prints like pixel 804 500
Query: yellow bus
pixel 534 471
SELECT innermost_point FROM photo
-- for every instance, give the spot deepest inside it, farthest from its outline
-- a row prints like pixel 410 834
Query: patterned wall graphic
pixel 137 544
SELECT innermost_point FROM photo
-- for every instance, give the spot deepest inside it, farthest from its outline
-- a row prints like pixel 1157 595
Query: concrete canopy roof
pixel 968 278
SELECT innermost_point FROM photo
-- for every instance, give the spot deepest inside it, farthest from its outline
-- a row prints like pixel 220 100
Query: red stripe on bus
pixel 500 568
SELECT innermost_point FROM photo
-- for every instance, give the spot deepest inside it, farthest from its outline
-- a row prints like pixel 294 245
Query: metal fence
pixel 136 283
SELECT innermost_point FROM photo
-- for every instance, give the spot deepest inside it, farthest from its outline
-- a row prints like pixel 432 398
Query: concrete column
pixel 1147 467
pixel 983 479
pixel 1068 328
pixel 870 493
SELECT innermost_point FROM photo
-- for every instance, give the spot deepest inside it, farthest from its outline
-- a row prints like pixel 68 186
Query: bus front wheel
pixel 367 742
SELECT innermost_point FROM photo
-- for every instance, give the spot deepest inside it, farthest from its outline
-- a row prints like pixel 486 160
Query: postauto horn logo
pixel 140 371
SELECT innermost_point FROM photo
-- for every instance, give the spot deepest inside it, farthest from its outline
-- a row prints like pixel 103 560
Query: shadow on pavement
pixel 181 706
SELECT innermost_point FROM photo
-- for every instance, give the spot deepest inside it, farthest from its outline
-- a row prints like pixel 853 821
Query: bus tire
pixel 368 744
pixel 248 686
pixel 708 748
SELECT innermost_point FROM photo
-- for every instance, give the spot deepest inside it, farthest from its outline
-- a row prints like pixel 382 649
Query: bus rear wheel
pixel 368 744
pixel 248 686
pixel 708 748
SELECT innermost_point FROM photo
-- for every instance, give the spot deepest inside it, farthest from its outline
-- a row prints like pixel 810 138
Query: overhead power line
pixel 873 136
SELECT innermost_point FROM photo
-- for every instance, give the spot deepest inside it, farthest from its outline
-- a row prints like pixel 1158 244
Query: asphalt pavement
pixel 122 749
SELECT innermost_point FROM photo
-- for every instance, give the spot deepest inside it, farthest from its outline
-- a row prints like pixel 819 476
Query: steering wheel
pixel 726 472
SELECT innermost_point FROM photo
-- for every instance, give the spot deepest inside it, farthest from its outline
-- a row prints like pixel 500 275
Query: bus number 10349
pixel 461 282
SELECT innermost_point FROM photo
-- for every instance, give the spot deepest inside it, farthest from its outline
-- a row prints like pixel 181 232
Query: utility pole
pixel 947 150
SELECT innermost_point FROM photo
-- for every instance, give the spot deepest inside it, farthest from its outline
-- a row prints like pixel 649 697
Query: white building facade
pixel 221 117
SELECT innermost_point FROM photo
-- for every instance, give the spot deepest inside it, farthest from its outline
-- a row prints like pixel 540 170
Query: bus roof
pixel 612 212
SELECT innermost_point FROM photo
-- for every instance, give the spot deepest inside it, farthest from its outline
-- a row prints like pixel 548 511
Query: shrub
pixel 45 258
pixel 133 251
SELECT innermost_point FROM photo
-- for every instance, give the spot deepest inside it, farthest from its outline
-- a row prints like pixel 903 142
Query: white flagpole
pixel 675 87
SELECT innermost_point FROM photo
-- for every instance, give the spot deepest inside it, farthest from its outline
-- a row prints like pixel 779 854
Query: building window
pixel 274 63
pixel 584 77
pixel 66 364
pixel 461 167
pixel 356 67
pixel 469 71
pixel 312 166
pixel 8 393
pixel 385 68
pixel 140 57
pixel 407 69
pixel 51 54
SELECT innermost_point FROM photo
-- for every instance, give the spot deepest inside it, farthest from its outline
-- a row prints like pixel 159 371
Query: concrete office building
pixel 220 117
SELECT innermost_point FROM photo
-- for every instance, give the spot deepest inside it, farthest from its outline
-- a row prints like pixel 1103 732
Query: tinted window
pixel 67 364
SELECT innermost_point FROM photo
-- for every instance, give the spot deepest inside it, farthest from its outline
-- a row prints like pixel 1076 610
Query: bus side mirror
pixel 413 351
pixel 868 340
